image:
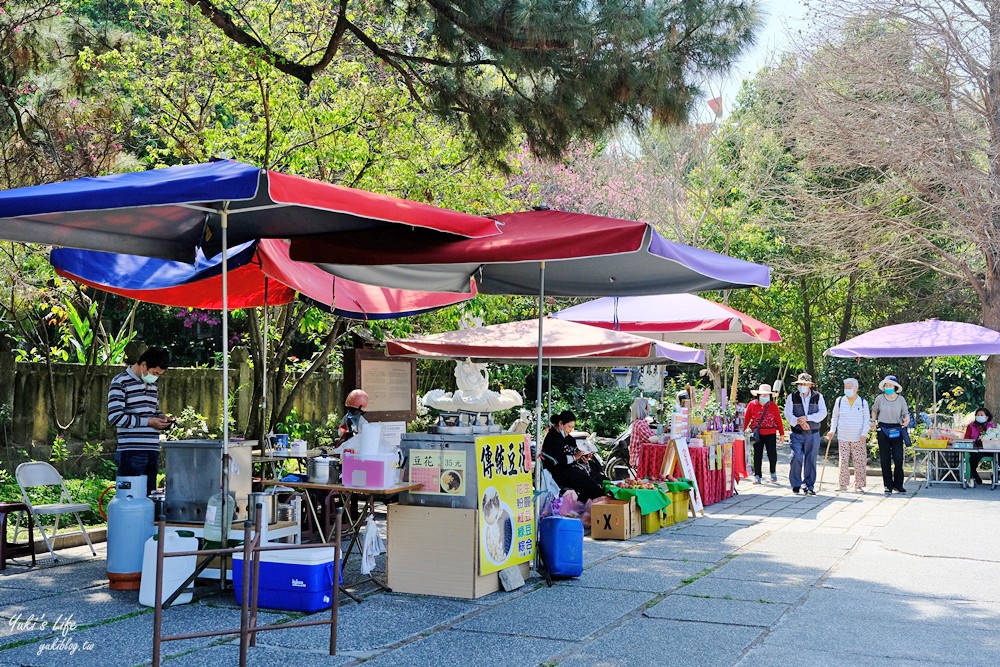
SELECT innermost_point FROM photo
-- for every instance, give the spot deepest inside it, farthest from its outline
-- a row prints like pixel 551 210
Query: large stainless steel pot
pixel 270 506
pixel 319 469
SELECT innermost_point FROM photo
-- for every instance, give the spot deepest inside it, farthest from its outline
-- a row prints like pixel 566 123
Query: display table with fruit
pixel 650 496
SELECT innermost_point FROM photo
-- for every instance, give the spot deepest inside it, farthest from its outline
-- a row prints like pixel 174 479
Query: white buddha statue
pixel 473 394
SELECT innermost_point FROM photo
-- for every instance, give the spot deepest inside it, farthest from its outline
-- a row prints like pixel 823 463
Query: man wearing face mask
pixel 804 410
pixel 134 411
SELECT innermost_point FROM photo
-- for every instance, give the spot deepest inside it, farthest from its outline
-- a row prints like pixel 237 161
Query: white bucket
pixel 175 570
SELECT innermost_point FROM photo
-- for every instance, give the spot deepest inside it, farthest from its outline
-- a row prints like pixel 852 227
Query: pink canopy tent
pixel 563 343
pixel 683 318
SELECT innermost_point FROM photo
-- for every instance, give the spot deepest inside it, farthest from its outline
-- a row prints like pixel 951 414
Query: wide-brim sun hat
pixel 763 389
pixel 804 378
pixel 890 380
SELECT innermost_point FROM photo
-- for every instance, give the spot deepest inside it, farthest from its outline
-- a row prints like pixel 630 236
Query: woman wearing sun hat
pixel 763 416
pixel 890 417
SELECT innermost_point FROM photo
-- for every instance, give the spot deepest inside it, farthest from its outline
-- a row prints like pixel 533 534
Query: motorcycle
pixel 617 467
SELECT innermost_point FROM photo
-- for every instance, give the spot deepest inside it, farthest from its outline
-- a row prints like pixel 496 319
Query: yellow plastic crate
pixel 931 443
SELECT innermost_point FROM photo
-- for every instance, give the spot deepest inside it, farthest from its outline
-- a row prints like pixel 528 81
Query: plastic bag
pixel 368 439
pixel 571 505
pixel 373 546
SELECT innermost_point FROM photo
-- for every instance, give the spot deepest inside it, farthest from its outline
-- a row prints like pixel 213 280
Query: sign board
pixel 687 465
pixel 392 434
pixel 727 466
pixel 390 384
pixel 506 502
pixel 441 471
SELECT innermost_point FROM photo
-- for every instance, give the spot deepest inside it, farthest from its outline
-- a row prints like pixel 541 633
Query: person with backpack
pixel 805 408
pixel 851 424
pixel 763 419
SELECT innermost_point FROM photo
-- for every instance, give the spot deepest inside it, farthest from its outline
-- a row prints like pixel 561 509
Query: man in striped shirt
pixel 134 411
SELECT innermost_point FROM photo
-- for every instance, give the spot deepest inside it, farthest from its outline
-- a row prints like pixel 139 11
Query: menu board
pixel 506 501
pixel 389 383
pixel 441 471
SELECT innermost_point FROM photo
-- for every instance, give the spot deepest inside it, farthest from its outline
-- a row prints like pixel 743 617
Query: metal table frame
pixel 934 460
pixel 347 493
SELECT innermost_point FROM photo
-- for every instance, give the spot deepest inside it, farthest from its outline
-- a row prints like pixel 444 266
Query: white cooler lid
pixel 309 556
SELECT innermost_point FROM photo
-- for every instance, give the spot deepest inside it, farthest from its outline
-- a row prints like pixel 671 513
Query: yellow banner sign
pixel 506 501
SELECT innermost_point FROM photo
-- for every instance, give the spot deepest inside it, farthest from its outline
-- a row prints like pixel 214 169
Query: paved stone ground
pixel 766 578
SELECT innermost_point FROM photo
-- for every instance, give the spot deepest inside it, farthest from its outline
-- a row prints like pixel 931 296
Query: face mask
pixel 149 378
pixel 889 391
pixel 803 389
pixel 848 393
pixel 764 399
pixel 981 419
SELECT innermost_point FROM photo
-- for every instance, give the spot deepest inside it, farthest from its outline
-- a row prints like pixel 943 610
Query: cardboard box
pixel 435 551
pixel 615 519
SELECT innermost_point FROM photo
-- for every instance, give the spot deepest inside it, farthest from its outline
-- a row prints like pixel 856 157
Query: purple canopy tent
pixel 930 338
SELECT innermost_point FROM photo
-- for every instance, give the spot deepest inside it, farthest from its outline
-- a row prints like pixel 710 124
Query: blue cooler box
pixel 293 580
pixel 561 541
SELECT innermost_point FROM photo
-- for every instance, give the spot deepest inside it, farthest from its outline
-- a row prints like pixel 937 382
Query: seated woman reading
pixel 571 466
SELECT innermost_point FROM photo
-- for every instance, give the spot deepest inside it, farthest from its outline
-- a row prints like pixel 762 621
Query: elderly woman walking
pixel 890 415
pixel 851 423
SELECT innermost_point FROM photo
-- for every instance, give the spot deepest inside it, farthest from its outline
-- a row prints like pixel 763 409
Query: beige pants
pixel 859 453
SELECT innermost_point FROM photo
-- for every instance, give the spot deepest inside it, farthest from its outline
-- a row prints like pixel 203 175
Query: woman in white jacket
pixel 851 424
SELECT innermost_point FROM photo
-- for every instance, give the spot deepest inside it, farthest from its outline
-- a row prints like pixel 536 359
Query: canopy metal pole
pixel 934 387
pixel 263 356
pixel 226 520
pixel 538 401
pixel 548 396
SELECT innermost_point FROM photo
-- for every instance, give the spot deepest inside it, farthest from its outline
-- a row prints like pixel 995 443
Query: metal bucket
pixel 284 512
pixel 270 507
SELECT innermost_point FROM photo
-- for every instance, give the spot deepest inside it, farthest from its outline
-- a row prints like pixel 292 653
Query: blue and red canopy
pixel 251 267
pixel 168 213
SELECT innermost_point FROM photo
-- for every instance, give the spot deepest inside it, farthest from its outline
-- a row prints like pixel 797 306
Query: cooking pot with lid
pixel 319 469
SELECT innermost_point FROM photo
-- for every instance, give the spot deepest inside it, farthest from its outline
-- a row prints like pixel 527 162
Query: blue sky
pixel 780 18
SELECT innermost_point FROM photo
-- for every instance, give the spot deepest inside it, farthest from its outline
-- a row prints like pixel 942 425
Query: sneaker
pixel 859 490
pixel 900 490
pixel 795 490
pixel 756 479
pixel 888 492
pixel 774 478
pixel 810 492
pixel 842 489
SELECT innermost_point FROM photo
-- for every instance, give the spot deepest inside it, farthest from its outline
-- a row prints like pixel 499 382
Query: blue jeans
pixel 805 447
pixel 139 462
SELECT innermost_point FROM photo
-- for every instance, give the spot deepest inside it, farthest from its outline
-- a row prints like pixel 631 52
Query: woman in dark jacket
pixel 571 468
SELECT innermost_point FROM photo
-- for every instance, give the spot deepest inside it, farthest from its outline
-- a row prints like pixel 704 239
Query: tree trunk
pixel 845 323
pixel 991 320
pixel 807 332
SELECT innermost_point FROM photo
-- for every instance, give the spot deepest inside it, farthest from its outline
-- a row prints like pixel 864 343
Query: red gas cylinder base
pixel 124 581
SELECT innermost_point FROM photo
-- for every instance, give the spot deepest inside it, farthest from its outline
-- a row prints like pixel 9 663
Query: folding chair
pixel 39 473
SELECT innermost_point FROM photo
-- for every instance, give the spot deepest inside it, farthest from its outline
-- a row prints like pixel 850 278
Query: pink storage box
pixel 372 470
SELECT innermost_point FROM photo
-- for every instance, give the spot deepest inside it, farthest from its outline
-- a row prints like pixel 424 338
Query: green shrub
pixel 606 411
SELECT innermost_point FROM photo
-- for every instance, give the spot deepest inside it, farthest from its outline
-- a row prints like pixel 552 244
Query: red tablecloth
pixel 711 483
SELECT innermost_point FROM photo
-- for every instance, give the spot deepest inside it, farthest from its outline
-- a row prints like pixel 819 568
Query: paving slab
pixel 715 610
pixel 61 577
pixel 717 587
pixel 893 626
pixel 752 568
pixel 259 656
pixel 655 642
pixel 378 622
pixel 483 649
pixel 127 642
pixel 624 573
pixel 596 550
pixel 705 551
pixel 86 607
pixel 770 655
pixel 555 613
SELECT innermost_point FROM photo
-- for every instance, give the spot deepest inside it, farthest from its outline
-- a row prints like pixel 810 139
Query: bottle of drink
pixel 215 514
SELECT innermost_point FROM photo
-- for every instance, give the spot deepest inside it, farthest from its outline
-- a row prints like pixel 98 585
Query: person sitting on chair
pixel 982 422
pixel 641 431
pixel 570 466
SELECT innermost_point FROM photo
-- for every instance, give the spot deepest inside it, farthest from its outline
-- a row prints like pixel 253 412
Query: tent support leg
pixel 226 520
pixel 538 402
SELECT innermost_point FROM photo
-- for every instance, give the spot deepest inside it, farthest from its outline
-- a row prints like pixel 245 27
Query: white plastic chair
pixel 39 473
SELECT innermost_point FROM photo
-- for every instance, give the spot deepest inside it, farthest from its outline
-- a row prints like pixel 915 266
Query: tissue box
pixel 369 470
pixel 297 448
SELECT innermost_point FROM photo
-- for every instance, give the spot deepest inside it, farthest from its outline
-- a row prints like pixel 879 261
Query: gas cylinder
pixel 130 524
